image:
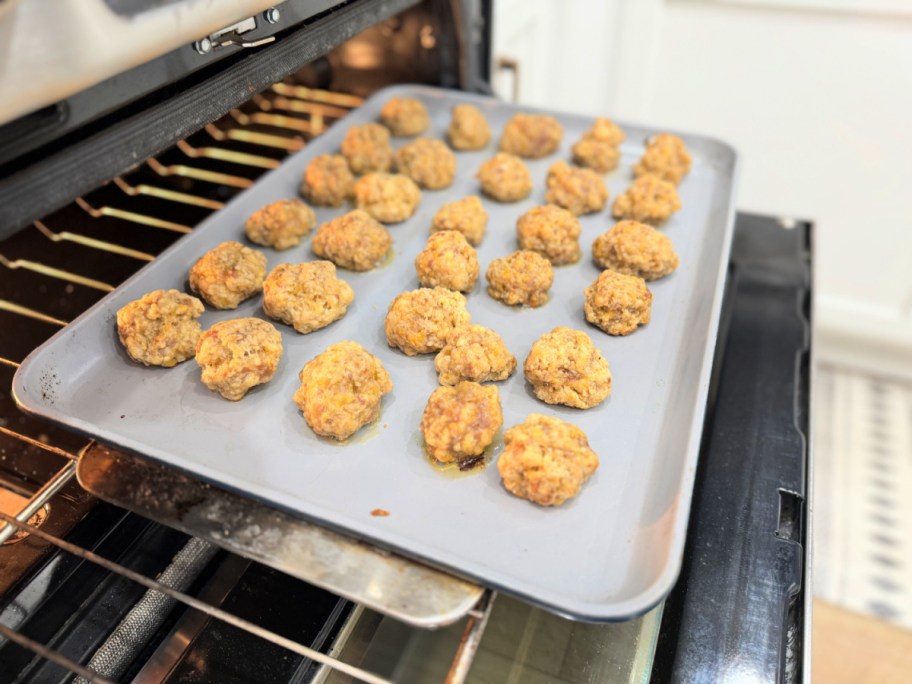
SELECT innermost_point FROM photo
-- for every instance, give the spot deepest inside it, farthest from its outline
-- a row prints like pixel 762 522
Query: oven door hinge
pixel 234 34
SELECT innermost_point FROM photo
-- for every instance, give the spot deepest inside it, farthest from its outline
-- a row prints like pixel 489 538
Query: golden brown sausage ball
pixel 460 422
pixel 367 148
pixel 666 156
pixel 564 367
pixel 618 303
pixel 238 355
pixel 447 261
pixel 160 328
pixel 505 178
pixel 389 198
pixel 429 163
pixel 227 275
pixel 341 390
pixel 531 135
pixel 468 129
pixel 280 225
pixel 599 148
pixel 405 116
pixel 546 460
pixel 354 241
pixel 648 200
pixel 635 249
pixel 468 216
pixel 550 231
pixel 522 278
pixel 579 191
pixel 306 296
pixel 420 321
pixel 474 353
pixel 328 182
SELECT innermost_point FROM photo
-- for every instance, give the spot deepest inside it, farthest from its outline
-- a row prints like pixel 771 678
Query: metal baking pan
pixel 610 554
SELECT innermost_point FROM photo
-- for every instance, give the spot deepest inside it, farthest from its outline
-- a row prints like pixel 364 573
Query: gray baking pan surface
pixel 609 554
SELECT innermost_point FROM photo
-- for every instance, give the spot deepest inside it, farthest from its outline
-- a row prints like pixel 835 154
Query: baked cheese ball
pixel 341 390
pixel 405 116
pixel 633 248
pixel 505 178
pixel 449 261
pixel 430 163
pixel 648 200
pixel 564 367
pixel 460 422
pixel 306 296
pixel 467 216
pixel 353 241
pixel 666 156
pixel 160 328
pixel 579 191
pixel 421 321
pixel 531 135
pixel 228 274
pixel 551 231
pixel 238 355
pixel 389 198
pixel 280 225
pixel 546 460
pixel 367 148
pixel 328 182
pixel 469 130
pixel 618 303
pixel 523 278
pixel 474 353
pixel 599 148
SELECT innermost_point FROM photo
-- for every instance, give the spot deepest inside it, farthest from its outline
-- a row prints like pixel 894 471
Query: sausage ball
pixel 354 241
pixel 429 163
pixel 648 200
pixel 367 148
pixel 467 216
pixel 564 367
pixel 505 178
pixel 227 275
pixel 447 261
pixel 280 225
pixel 389 198
pixel 460 422
pixel 522 278
pixel 550 231
pixel 468 129
pixel 238 355
pixel 405 116
pixel 599 148
pixel 306 296
pixel 474 353
pixel 618 303
pixel 666 156
pixel 160 328
pixel 580 191
pixel 341 390
pixel 635 249
pixel 546 460
pixel 328 182
pixel 421 321
pixel 531 135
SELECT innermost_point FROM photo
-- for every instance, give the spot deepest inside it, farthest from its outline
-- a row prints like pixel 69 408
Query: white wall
pixel 817 101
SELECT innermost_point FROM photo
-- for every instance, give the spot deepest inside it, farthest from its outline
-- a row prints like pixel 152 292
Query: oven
pixel 113 568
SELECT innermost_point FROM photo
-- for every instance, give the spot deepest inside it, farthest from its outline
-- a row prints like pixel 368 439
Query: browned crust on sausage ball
pixel 420 321
pixel 160 328
pixel 389 198
pixel 579 191
pixel 430 163
pixel 449 261
pixel 367 148
pixel 405 116
pixel 505 178
pixel 546 460
pixel 468 216
pixel 648 200
pixel 551 231
pixel 618 303
pixel 469 130
pixel 228 274
pixel 522 278
pixel 354 241
pixel 306 296
pixel 328 182
pixel 280 225
pixel 599 147
pixel 531 135
pixel 636 249
pixel 666 156
pixel 565 367
pixel 237 355
pixel 474 353
pixel 460 422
